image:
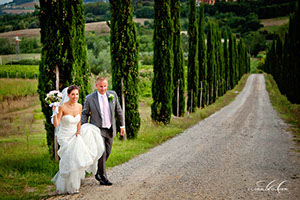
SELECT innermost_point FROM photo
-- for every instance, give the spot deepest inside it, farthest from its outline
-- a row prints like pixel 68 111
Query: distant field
pixel 275 21
pixel 10 88
pixel 17 11
pixel 19 71
pixel 22 8
pixel 98 27
pixel 273 25
pixel 6 59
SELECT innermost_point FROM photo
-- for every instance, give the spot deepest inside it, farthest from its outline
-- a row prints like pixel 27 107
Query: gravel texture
pixel 242 151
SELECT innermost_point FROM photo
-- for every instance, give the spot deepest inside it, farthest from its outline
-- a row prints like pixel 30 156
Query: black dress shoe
pixel 97 177
pixel 107 182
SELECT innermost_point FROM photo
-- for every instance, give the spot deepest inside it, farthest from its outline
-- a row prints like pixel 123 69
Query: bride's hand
pixel 54 107
pixel 78 133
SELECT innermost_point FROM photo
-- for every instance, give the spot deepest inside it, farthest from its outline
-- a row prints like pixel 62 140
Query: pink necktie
pixel 106 113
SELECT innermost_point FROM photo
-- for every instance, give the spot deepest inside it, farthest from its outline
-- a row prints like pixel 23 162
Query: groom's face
pixel 102 86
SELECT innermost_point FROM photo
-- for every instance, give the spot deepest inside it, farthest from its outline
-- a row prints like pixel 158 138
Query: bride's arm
pixel 79 123
pixel 57 117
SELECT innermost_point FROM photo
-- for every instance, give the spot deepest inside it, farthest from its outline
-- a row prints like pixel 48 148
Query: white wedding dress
pixel 78 154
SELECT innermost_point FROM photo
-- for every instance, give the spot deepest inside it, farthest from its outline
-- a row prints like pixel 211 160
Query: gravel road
pixel 241 152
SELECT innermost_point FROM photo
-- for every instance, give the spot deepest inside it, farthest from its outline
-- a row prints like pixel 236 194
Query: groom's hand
pixel 122 131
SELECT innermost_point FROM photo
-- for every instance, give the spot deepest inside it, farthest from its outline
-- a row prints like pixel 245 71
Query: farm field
pixel 22 8
pixel 272 25
pixel 19 71
pixel 275 21
pixel 6 59
pixel 98 27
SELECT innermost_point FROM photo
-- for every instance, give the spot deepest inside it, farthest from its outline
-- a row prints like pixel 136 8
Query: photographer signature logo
pixel 264 186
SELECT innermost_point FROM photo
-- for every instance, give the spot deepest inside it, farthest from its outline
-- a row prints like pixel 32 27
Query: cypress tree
pixel 231 62
pixel 226 62
pixel 210 62
pixel 162 84
pixel 294 55
pixel 178 71
pixel 124 62
pixel 222 65
pixel 216 61
pixel 241 54
pixel 220 59
pixel 202 59
pixel 192 59
pixel 217 64
pixel 235 61
pixel 279 65
pixel 63 48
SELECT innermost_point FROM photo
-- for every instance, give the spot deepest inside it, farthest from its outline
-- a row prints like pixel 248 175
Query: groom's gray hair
pixel 101 78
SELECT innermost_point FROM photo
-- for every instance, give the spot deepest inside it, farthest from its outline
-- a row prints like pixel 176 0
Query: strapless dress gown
pixel 78 154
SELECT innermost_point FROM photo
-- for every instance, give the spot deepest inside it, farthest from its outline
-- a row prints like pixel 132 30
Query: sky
pixel 4 1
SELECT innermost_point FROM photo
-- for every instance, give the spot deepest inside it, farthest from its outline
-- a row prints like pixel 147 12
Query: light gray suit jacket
pixel 91 109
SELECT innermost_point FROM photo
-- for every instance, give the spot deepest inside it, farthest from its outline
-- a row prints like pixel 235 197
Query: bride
pixel 80 146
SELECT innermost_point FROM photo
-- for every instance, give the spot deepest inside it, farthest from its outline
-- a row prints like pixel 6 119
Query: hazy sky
pixel 4 1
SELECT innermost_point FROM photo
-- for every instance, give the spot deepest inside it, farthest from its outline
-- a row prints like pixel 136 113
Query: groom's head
pixel 101 85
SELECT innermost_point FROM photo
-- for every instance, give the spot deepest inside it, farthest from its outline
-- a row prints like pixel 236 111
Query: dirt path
pixel 241 152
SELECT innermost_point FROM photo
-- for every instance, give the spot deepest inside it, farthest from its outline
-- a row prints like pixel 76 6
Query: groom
pixel 102 106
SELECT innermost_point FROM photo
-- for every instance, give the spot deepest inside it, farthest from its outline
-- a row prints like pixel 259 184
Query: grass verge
pixel 289 112
pixel 12 89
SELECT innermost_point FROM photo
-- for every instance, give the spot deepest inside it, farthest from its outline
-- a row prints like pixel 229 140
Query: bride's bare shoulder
pixel 63 107
pixel 79 105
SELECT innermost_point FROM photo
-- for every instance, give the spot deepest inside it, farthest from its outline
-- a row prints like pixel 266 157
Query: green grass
pixel 253 65
pixel 19 71
pixel 15 88
pixel 6 59
pixel 26 169
pixel 289 112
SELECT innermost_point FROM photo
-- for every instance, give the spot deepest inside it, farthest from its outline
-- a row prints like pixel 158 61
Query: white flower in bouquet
pixel 53 98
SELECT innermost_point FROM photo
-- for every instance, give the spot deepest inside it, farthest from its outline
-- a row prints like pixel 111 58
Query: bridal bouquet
pixel 53 98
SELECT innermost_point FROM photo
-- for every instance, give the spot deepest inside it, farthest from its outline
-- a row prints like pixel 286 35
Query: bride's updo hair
pixel 71 88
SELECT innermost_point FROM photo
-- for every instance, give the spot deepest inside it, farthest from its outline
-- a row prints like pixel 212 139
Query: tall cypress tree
pixel 63 48
pixel 279 64
pixel 226 62
pixel 231 62
pixel 216 61
pixel 235 60
pixel 124 62
pixel 210 62
pixel 221 63
pixel 192 59
pixel 178 71
pixel 240 58
pixel 202 59
pixel 162 84
pixel 294 55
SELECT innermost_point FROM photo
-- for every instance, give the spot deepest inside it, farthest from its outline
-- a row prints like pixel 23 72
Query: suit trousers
pixel 108 141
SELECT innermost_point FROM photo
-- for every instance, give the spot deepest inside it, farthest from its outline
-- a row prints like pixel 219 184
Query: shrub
pixel 6 47
pixel 146 58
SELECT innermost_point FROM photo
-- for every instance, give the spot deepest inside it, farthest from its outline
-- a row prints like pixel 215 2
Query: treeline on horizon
pixel 100 11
